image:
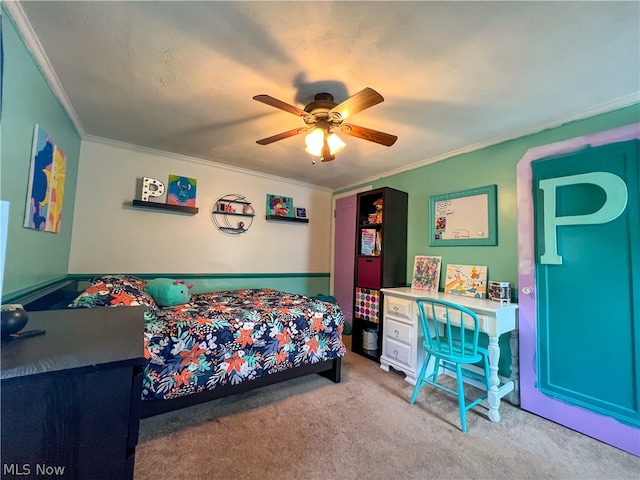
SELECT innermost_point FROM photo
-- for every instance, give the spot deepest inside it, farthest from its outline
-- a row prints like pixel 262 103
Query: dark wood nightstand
pixel 71 397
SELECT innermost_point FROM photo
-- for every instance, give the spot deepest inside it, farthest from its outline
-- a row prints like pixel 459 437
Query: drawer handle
pixel 397 332
pixel 395 352
pixel 395 309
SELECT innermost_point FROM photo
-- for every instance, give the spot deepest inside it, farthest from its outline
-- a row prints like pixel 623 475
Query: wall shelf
pixel 280 218
pixel 225 208
pixel 165 206
pixel 233 214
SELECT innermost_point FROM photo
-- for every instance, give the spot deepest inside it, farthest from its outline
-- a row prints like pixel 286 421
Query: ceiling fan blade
pixel 382 138
pixel 274 102
pixel 356 103
pixel 282 136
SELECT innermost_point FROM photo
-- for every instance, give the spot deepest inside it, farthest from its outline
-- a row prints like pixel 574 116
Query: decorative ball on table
pixel 14 319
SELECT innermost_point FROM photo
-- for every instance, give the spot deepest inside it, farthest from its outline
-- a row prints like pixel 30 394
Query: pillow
pixel 116 291
pixel 168 292
pixel 120 280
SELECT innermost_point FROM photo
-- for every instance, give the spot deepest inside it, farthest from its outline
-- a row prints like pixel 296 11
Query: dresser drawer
pixel 399 331
pixel 398 351
pixel 399 307
pixel 483 320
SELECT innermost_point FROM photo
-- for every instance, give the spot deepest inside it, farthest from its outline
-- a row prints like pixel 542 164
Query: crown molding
pixel 602 108
pixel 35 47
pixel 185 158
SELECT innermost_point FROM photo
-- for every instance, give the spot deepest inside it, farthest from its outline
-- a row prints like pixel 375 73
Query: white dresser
pixel 403 337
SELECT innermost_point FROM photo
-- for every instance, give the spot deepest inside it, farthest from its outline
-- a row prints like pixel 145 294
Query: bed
pixel 225 342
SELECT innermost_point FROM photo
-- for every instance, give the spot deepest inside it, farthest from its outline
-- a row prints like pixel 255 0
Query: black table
pixel 70 399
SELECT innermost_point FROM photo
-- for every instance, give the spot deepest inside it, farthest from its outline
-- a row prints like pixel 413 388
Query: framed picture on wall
pixel 47 176
pixel 467 217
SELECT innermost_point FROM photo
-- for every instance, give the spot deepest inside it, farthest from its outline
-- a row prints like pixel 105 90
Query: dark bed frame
pixel 328 368
pixel 58 296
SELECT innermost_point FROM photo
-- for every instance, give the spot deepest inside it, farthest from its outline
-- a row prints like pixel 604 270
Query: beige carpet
pixel 364 428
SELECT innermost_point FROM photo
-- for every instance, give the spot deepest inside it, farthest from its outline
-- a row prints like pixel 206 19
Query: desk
pixel 403 338
pixel 71 397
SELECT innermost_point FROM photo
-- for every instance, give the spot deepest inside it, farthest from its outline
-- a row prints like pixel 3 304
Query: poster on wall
pixel 47 175
pixel 182 191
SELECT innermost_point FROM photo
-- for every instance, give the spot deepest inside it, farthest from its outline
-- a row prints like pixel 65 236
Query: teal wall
pixel 32 257
pixel 303 283
pixel 495 164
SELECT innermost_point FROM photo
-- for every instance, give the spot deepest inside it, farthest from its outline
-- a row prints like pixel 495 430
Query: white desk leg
pixel 515 369
pixel 492 396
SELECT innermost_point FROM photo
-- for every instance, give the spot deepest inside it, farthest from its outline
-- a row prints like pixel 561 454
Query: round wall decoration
pixel 232 214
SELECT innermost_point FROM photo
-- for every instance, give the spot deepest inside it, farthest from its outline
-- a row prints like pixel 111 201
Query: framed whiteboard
pixel 463 218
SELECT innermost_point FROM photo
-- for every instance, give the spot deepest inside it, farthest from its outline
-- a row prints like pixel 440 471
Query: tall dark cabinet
pixel 381 261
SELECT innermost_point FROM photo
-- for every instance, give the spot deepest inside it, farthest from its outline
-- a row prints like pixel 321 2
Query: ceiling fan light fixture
pixel 335 143
pixel 323 115
pixel 315 143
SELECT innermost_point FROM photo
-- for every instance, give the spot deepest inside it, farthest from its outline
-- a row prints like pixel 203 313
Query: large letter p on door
pixel 614 205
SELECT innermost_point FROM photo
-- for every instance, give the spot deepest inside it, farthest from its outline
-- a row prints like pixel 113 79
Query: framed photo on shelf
pixel 182 191
pixel 279 205
pixel 426 273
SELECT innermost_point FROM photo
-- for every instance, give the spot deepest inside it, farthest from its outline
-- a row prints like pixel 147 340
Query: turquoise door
pixel 585 293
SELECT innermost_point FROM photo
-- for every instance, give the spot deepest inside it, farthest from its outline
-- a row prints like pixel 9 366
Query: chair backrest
pixel 441 321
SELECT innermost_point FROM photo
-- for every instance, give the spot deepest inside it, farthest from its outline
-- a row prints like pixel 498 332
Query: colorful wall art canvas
pixel 182 191
pixel 47 176
pixel 426 273
pixel 280 205
pixel 467 280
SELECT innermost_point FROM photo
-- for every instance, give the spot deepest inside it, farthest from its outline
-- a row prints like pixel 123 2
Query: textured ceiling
pixel 180 76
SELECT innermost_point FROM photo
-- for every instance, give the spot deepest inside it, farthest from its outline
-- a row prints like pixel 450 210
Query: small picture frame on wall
pixel 301 212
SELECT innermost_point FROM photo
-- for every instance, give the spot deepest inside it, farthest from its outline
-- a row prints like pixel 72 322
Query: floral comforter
pixel 233 336
pixel 222 338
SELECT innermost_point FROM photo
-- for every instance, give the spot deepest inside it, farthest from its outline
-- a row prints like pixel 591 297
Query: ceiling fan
pixel 323 115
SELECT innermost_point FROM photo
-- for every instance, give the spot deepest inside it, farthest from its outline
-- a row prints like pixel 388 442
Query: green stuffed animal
pixel 168 292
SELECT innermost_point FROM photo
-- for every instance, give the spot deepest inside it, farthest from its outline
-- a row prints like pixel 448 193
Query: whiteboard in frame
pixel 467 217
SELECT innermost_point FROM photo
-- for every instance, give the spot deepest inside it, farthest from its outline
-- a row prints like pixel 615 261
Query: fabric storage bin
pixel 367 303
pixel 369 272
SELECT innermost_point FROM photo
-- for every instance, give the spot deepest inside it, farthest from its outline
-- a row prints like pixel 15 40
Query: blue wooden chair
pixel 453 349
